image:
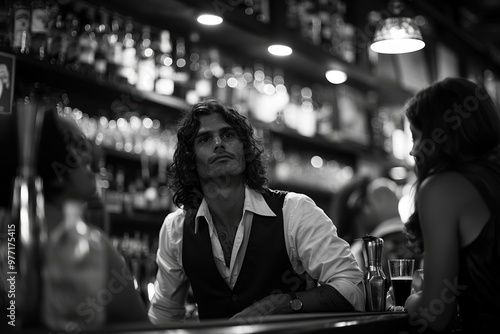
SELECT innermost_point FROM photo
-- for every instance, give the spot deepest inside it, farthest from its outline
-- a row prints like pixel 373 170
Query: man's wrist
pixel 295 302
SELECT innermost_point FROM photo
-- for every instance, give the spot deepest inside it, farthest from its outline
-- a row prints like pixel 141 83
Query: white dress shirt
pixel 311 242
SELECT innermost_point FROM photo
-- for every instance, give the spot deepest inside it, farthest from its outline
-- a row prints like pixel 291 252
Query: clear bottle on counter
pixel 74 273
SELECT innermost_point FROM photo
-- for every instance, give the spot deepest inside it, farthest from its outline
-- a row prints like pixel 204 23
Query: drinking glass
pixel 401 273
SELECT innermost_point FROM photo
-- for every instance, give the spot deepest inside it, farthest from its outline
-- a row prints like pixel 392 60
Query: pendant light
pixel 396 35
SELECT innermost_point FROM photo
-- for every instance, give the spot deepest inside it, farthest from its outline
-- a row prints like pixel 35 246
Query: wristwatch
pixel 295 303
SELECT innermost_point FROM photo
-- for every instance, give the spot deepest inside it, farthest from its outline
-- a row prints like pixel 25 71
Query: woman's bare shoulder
pixel 446 186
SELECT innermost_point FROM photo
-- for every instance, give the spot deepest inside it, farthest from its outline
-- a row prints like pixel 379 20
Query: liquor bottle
pixel 73 31
pixel 146 70
pixel 5 26
pixel 164 84
pixel 114 195
pixel 102 31
pixel 115 50
pixel 195 67
pixel 75 268
pixel 87 43
pixel 181 68
pixel 306 124
pixel 139 202
pixel 129 60
pixel 292 15
pixel 21 38
pixel 58 40
pixel 39 28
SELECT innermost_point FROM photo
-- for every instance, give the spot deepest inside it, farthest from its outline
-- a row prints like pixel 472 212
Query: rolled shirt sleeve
pixel 171 286
pixel 314 247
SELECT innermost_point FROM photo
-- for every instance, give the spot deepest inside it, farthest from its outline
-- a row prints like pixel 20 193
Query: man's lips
pixel 219 157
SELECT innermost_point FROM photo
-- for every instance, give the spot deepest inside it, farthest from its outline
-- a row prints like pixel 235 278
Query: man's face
pixel 218 149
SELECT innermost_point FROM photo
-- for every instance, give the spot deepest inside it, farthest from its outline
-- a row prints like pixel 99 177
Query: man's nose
pixel 218 142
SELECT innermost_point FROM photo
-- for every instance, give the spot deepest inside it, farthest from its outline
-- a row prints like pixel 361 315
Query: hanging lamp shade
pixel 396 35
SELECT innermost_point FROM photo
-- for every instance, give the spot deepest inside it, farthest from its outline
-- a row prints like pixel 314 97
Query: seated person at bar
pixel 244 249
pixel 456 135
pixel 372 207
pixel 64 161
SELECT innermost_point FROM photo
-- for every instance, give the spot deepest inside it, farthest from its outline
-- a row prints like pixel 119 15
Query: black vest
pixel 266 267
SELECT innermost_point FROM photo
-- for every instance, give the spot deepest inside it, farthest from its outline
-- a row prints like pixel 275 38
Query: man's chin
pixel 222 173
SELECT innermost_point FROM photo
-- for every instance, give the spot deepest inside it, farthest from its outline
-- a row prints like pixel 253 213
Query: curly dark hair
pixel 185 181
pixel 459 125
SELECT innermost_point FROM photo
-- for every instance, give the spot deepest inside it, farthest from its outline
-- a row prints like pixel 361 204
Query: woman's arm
pixel 440 202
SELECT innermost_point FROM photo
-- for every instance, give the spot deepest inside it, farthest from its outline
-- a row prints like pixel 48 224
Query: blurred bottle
pixel 306 122
pixel 73 31
pixel 21 38
pixel 129 59
pixel 58 39
pixel 200 85
pixel 115 50
pixel 292 15
pixel 5 25
pixel 75 270
pixel 139 202
pixel 182 74
pixel 102 33
pixel 40 17
pixel 165 72
pixel 87 43
pixel 146 68
pixel 114 194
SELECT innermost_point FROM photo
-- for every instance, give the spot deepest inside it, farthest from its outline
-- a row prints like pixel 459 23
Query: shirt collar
pixel 254 202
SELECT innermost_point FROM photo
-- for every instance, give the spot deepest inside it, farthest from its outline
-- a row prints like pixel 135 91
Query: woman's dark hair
pixel 63 146
pixel 459 123
pixel 185 180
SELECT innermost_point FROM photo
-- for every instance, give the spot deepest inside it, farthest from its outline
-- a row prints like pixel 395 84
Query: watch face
pixel 296 304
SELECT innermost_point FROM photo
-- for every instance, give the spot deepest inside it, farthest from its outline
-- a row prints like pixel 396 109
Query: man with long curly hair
pixel 244 249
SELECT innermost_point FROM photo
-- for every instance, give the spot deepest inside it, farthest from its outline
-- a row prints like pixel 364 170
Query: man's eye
pixel 229 134
pixel 203 140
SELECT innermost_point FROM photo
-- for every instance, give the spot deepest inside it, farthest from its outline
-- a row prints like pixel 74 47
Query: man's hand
pixel 273 304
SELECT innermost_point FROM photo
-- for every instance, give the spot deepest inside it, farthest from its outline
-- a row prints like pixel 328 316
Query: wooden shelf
pixel 62 78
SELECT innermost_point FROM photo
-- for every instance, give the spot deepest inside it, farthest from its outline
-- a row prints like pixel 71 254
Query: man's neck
pixel 225 202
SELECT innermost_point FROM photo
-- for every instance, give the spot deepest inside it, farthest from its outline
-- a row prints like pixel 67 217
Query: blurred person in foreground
pixel 373 209
pixel 456 223
pixel 64 160
pixel 244 249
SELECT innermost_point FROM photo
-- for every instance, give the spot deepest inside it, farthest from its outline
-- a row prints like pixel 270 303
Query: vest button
pixel 234 298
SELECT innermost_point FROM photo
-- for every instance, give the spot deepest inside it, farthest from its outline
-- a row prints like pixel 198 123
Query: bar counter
pixel 355 322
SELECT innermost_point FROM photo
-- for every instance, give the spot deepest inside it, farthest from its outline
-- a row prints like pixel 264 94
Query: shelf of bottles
pixel 155 64
pixel 139 193
pixel 104 47
pixel 139 252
